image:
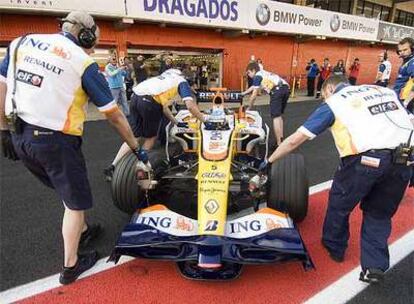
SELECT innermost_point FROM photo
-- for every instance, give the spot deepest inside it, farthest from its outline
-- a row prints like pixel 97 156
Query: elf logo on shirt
pixel 383 107
pixel 29 78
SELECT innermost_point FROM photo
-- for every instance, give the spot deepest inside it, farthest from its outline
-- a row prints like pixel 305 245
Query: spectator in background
pixel 313 71
pixel 166 64
pixel 204 76
pixel 129 81
pixel 384 70
pixel 325 72
pixel 140 69
pixel 115 77
pixel 354 72
pixel 339 69
pixel 194 76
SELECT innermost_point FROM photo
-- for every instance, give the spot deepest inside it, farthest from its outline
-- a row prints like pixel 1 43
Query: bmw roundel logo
pixel 263 14
pixel 335 23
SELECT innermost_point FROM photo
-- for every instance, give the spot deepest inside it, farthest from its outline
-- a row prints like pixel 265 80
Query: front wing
pixel 266 236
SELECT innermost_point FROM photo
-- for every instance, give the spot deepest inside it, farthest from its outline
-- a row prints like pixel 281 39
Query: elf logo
pixel 383 107
pixel 211 225
pixel 29 78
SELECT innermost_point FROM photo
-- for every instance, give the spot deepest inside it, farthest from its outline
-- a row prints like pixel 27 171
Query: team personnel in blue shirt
pixel 404 84
pixel 55 77
pixel 313 72
pixel 368 123
pixel 151 100
pixel 276 87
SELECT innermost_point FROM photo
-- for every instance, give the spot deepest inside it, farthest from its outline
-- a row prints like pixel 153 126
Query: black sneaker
pixel 335 257
pixel 371 275
pixel 91 233
pixel 85 262
pixel 109 172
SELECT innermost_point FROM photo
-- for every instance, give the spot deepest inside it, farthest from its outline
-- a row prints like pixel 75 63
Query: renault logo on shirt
pixel 263 14
pixel 29 78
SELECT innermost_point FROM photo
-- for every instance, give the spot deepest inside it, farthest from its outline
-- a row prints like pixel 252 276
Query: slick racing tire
pixel 289 187
pixel 126 194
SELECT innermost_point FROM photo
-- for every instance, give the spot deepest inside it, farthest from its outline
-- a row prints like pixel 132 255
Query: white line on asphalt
pixel 30 289
pixel 349 285
pixel 320 187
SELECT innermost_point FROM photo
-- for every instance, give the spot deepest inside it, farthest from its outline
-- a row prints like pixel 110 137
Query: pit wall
pixel 280 54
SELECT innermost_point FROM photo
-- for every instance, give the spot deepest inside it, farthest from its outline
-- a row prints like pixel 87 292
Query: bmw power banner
pixel 287 18
pixel 215 13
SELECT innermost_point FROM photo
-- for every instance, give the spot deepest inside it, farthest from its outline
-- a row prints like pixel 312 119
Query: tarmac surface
pixel 31 214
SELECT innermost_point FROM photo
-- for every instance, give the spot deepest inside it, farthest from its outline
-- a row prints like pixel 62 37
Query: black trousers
pixel 352 80
pixel 311 86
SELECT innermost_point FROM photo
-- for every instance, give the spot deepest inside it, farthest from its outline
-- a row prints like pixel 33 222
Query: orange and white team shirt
pixel 55 78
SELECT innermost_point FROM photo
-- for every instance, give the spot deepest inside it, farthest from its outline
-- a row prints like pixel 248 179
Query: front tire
pixel 289 187
pixel 126 194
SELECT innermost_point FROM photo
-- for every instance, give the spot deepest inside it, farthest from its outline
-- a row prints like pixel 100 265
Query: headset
pixel 410 42
pixel 86 36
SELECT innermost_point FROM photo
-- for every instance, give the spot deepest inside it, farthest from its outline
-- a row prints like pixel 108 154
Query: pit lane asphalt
pixel 31 214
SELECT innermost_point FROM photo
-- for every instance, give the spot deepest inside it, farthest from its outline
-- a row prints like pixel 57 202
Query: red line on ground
pixel 145 281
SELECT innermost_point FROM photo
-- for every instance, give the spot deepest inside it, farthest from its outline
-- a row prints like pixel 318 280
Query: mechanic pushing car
pixel 151 99
pixel 404 84
pixel 374 137
pixel 45 83
pixel 276 87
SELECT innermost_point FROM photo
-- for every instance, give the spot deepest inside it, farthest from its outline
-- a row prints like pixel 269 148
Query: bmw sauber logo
pixel 263 14
pixel 335 23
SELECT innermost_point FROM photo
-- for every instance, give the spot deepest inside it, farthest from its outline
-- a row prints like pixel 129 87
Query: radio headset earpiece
pixel 86 36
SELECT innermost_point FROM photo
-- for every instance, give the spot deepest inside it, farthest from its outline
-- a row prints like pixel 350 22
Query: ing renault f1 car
pixel 203 203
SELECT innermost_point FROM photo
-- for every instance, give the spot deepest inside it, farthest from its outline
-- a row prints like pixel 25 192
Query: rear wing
pixel 219 95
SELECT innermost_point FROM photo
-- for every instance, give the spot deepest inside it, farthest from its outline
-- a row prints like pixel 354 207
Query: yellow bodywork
pixel 213 178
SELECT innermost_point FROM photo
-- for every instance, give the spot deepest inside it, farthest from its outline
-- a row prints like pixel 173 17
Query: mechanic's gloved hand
pixel 182 124
pixel 141 154
pixel 7 145
pixel 264 166
pixel 411 184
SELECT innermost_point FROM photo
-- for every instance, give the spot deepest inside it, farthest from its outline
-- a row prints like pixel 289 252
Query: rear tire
pixel 289 188
pixel 126 194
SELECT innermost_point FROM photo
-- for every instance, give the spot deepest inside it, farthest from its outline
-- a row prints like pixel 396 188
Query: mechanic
pixel 279 92
pixel 404 84
pixel 384 70
pixel 367 135
pixel 150 100
pixel 42 110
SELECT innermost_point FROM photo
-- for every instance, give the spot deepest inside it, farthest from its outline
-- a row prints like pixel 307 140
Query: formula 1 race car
pixel 204 205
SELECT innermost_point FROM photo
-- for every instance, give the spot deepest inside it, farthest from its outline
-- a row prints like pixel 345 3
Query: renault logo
pixel 335 23
pixel 211 206
pixel 263 14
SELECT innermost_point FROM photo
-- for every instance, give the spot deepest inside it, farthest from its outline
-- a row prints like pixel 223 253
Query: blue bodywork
pixel 274 246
